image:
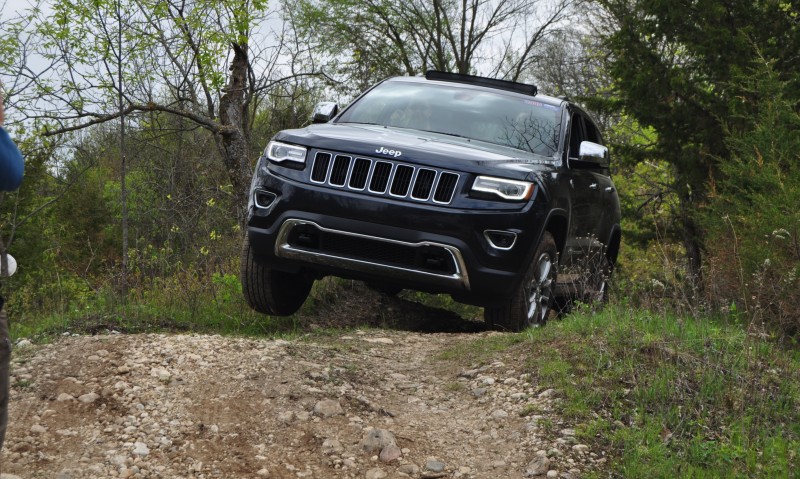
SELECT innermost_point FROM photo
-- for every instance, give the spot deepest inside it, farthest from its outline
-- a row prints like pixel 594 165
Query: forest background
pixel 141 121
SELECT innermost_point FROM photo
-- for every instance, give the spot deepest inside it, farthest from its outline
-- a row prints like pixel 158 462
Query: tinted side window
pixel 592 133
pixel 576 135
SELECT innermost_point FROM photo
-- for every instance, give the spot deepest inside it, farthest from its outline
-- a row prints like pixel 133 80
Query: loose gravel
pixel 366 404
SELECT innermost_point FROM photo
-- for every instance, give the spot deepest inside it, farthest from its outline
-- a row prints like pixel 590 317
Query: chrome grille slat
pixel 384 177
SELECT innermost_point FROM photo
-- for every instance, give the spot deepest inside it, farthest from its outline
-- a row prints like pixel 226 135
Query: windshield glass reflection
pixel 493 117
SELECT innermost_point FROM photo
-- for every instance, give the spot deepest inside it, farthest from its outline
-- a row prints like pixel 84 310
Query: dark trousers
pixel 5 361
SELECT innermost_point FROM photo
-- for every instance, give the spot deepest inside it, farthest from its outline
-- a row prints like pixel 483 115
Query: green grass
pixel 213 306
pixel 673 397
pixel 664 396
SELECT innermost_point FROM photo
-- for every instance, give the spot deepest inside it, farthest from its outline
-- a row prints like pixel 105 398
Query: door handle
pixel 593 186
pixel 609 189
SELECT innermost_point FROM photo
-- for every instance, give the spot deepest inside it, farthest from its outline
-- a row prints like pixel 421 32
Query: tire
pixel 532 300
pixel 269 291
pixel 385 288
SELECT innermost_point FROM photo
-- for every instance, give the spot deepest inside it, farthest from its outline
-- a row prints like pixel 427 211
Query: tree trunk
pixel 234 139
pixel 692 241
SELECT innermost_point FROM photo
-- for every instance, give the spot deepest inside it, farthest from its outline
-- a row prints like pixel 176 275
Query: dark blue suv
pixel 479 188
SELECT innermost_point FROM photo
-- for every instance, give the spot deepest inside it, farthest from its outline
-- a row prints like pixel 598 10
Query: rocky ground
pixel 359 404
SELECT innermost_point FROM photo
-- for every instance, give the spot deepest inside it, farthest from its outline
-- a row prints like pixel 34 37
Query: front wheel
pixel 268 291
pixel 530 303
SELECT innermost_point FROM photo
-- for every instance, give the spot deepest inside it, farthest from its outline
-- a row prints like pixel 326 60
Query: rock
pixel 161 374
pixel 568 432
pixel 38 429
pixel 547 393
pixel 479 392
pixel 580 448
pixel 499 414
pixel 390 453
pixel 263 473
pixel 376 473
pixel 332 446
pixel 140 449
pixel 434 465
pixel 89 398
pixel 376 439
pixel 552 474
pixel 538 466
pixel 24 343
pixel 285 417
pixel 410 469
pixel 328 408
pixel 379 340
pixel 64 397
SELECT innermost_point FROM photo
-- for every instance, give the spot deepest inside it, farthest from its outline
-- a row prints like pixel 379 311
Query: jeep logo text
pixel 385 151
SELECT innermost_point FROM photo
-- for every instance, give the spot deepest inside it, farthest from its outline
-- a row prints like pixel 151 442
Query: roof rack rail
pixel 476 80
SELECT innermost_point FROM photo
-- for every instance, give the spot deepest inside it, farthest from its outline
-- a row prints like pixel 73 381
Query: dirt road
pixel 366 403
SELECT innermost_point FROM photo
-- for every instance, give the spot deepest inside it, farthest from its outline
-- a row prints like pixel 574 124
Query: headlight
pixel 506 189
pixel 278 152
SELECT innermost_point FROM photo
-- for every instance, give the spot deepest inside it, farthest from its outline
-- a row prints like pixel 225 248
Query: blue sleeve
pixel 11 164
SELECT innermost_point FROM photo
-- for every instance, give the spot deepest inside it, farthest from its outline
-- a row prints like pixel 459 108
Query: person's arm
pixel 11 164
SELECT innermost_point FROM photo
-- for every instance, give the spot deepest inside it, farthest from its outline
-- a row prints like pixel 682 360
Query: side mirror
pixel 593 153
pixel 324 112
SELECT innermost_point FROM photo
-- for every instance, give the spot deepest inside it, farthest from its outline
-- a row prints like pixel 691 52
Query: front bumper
pixel 321 231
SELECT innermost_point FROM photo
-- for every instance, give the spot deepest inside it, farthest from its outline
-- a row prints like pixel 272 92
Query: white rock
pixel 328 408
pixel 89 398
pixel 379 340
pixel 140 449
pixel 499 414
pixel 65 397
pixel 376 473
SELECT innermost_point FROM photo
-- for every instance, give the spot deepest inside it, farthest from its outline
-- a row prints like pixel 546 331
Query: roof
pixel 480 86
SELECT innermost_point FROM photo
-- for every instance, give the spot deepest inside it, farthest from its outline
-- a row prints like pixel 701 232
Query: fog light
pixel 503 240
pixel 264 199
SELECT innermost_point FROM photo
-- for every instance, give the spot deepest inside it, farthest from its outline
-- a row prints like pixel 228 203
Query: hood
pixel 417 147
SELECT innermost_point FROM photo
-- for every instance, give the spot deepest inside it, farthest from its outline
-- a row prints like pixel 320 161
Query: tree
pixel 193 59
pixel 366 41
pixel 672 65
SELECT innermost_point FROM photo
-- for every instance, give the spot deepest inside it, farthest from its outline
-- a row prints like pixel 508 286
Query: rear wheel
pixel 531 302
pixel 268 291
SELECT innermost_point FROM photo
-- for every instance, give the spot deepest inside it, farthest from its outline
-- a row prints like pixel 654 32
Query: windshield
pixel 490 116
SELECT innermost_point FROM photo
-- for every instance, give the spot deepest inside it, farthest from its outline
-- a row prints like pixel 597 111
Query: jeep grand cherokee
pixel 479 188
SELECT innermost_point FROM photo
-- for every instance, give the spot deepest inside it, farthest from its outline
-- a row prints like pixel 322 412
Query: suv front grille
pixel 382 177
